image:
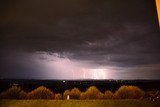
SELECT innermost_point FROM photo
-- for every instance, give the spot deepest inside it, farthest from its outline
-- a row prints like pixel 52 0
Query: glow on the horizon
pixel 99 74
pixel 158 10
pixel 65 68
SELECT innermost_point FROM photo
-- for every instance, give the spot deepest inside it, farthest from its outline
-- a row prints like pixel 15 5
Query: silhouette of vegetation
pixel 75 93
pixel 108 95
pixel 66 93
pixel 13 93
pixel 100 95
pixel 58 96
pixel 124 92
pixel 129 92
pixel 41 93
pixel 91 93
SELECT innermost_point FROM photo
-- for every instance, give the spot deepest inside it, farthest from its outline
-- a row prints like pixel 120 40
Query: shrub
pixel 91 93
pixel 83 95
pixel 75 93
pixel 129 92
pixel 13 93
pixel 58 96
pixel 108 95
pixel 100 96
pixel 66 93
pixel 41 93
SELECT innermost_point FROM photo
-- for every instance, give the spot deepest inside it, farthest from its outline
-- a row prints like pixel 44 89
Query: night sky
pixel 79 39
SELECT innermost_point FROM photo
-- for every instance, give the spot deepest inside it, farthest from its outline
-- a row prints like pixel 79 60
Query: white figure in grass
pixel 68 97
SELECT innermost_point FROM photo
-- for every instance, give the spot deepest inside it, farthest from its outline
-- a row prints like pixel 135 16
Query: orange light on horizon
pixel 158 10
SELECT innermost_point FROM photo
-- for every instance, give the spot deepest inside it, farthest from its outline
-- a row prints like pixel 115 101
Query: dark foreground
pixel 78 103
pixel 59 86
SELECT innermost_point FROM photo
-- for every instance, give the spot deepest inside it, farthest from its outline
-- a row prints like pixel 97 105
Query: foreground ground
pixel 78 103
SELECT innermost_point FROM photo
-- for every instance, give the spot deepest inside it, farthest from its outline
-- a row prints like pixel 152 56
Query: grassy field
pixel 78 103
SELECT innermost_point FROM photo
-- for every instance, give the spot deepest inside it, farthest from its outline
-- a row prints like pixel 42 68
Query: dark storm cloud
pixel 105 32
